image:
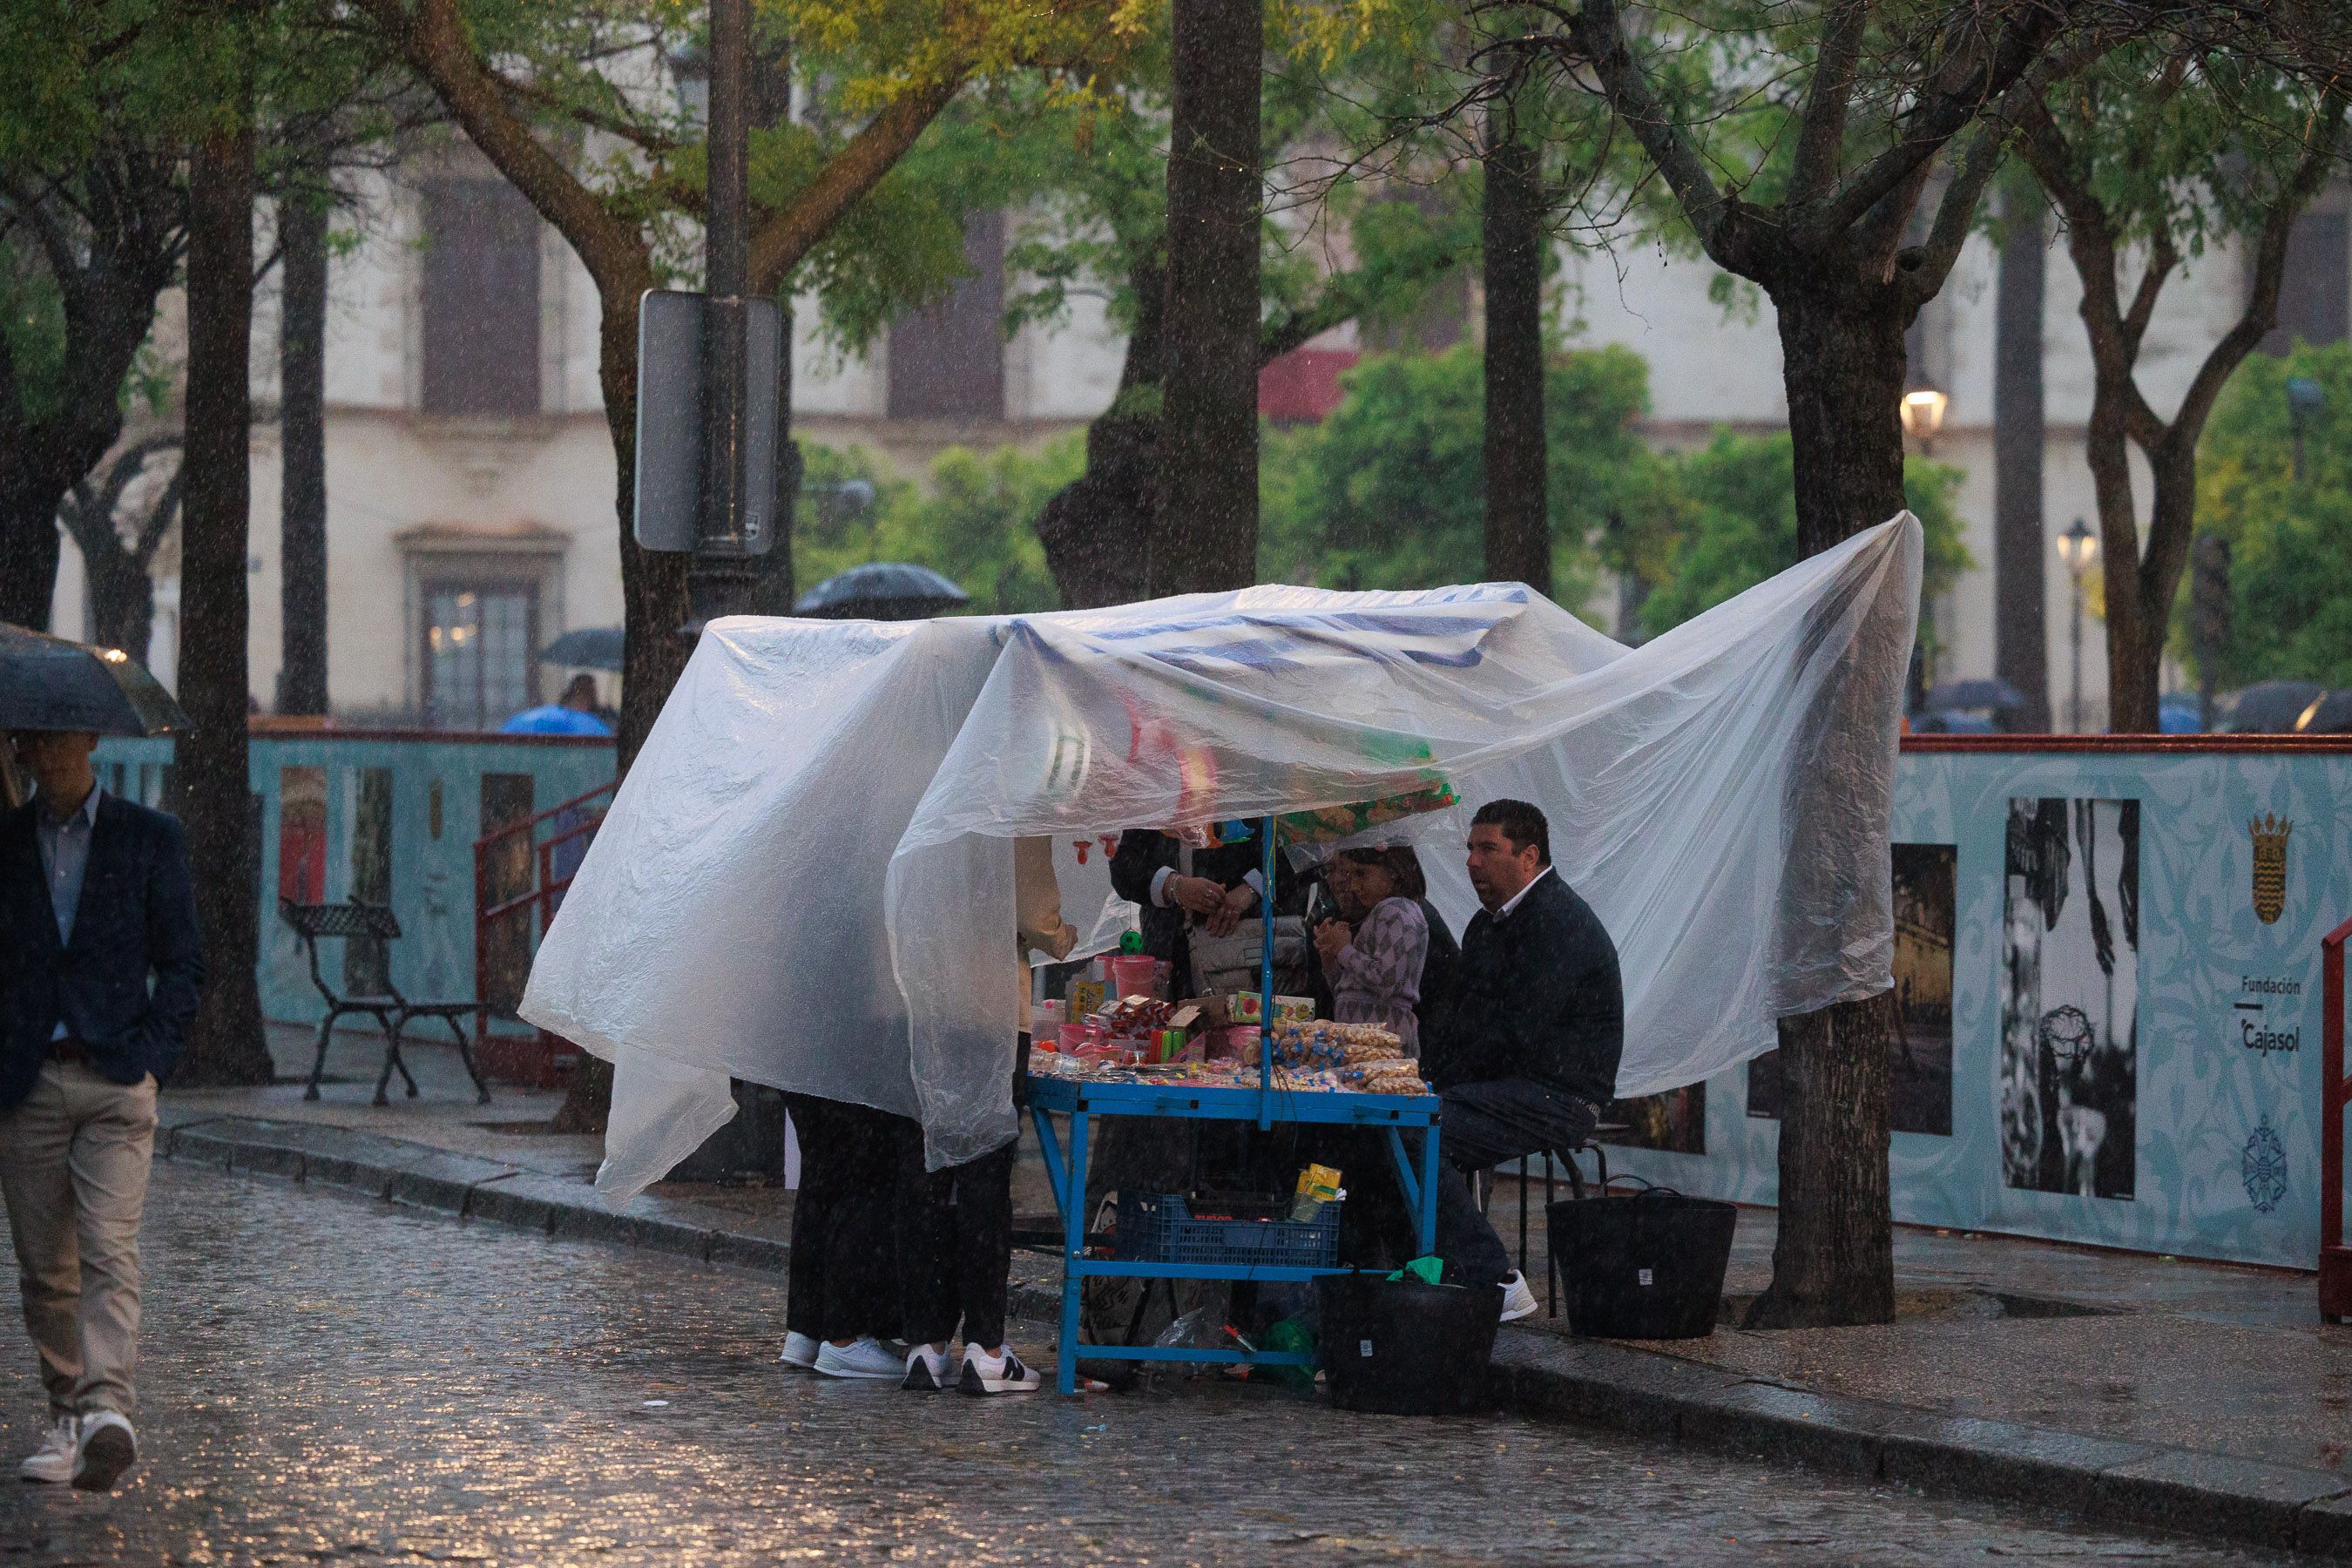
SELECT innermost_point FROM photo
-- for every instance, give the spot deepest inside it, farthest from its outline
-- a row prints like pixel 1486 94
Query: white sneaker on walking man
pixel 96 903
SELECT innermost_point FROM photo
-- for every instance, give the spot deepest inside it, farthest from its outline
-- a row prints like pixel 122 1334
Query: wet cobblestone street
pixel 328 1379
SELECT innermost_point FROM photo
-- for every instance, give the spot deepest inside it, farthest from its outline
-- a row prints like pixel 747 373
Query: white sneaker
pixel 861 1358
pixel 927 1370
pixel 1001 1372
pixel 53 1462
pixel 799 1352
pixel 1518 1301
pixel 108 1448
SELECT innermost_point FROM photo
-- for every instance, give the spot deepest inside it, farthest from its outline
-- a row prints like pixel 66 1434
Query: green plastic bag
pixel 1429 1270
pixel 1291 1334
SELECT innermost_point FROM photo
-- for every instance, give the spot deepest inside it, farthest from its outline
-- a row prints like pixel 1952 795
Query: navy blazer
pixel 1540 997
pixel 137 917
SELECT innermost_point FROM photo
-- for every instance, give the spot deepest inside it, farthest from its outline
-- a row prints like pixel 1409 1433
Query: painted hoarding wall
pixel 2134 1001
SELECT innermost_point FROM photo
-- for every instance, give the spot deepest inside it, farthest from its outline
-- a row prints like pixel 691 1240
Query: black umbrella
pixel 2270 707
pixel 590 647
pixel 1971 694
pixel 48 683
pixel 2333 716
pixel 882 591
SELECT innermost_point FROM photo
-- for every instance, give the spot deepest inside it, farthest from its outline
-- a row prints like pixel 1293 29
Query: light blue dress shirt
pixel 65 855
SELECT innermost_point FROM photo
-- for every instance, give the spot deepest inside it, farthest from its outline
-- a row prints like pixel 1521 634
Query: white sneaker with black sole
pixel 865 1358
pixel 927 1370
pixel 1518 1301
pixel 108 1448
pixel 799 1352
pixel 998 1373
pixel 52 1463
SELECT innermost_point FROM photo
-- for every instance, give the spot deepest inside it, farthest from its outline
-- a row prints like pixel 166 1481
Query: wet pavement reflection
pixel 328 1379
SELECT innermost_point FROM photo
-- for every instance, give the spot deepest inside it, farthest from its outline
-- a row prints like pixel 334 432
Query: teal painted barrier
pixel 389 816
pixel 2108 956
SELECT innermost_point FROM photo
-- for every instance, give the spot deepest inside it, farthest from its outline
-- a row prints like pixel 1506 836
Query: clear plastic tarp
pixel 806 879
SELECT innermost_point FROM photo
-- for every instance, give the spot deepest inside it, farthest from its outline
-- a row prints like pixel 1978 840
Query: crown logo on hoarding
pixel 2270 833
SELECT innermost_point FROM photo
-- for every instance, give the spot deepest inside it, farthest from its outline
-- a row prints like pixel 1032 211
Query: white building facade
pixel 470 481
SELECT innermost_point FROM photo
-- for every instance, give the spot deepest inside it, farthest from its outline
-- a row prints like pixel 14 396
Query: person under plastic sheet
pixel 955 1224
pixel 1387 959
pixel 1529 1053
pixel 1179 890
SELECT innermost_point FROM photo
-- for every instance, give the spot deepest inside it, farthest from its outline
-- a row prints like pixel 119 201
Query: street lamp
pixel 2077 547
pixel 1923 414
pixel 2304 398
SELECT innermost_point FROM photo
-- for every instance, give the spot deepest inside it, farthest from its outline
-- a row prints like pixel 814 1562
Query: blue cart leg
pixel 1074 1247
pixel 1429 1191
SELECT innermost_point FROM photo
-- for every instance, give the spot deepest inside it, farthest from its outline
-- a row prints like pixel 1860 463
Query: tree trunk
pixel 1518 521
pixel 29 548
pixel 302 423
pixel 1090 527
pixel 1207 535
pixel 653 609
pixel 2021 551
pixel 122 600
pixel 211 783
pixel 1834 1260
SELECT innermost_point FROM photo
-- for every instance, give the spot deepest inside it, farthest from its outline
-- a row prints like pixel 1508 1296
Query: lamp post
pixel 2077 547
pixel 721 578
pixel 1923 416
pixel 2304 398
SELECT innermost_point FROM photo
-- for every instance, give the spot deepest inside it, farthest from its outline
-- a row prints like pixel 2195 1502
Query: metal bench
pixel 392 1010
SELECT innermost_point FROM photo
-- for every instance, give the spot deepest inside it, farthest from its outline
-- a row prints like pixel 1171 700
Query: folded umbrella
pixel 49 683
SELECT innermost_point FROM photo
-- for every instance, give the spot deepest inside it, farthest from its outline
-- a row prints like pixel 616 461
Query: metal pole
pixel 721 578
pixel 2074 702
pixel 1266 982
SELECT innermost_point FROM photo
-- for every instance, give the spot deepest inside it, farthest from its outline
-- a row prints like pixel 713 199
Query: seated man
pixel 1528 1055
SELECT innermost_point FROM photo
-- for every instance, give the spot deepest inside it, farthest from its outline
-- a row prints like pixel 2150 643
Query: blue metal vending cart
pixel 1066 1169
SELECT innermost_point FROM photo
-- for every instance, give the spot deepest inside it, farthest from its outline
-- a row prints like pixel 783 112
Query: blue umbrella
pixel 882 591
pixel 554 719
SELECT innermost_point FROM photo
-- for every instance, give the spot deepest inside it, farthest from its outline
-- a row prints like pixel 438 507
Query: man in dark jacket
pixel 1529 1053
pixel 1176 888
pixel 95 899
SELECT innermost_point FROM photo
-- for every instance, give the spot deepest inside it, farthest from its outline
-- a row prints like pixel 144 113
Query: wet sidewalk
pixel 2202 1397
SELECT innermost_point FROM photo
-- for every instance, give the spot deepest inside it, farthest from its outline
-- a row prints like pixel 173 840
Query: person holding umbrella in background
pixel 101 970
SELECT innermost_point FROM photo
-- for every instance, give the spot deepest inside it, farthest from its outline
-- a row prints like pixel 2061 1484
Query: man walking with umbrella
pixel 96 903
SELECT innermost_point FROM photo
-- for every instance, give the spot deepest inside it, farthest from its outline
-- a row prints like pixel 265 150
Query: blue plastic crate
pixel 1158 1228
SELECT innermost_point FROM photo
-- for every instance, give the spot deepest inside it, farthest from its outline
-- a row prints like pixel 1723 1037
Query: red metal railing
pixel 509 922
pixel 2335 1094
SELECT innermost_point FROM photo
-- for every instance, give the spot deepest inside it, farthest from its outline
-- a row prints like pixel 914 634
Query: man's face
pixel 1498 869
pixel 58 761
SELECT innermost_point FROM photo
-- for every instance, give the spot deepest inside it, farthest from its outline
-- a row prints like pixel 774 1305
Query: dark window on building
pixel 946 360
pixel 479 642
pixel 2315 289
pixel 481 299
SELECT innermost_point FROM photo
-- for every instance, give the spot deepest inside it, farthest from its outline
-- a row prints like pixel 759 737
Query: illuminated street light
pixel 1923 413
pixel 2077 547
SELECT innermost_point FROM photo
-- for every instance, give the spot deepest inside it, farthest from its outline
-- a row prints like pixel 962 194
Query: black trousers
pixel 955 1244
pixel 1485 1124
pixel 843 1280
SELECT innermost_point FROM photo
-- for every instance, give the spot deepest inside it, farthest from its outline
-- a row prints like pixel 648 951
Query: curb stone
pixel 1646 1393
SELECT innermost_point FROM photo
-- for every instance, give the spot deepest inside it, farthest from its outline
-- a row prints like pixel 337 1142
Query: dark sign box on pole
pixel 669 420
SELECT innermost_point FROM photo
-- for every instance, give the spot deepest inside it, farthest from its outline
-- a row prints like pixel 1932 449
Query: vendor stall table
pixel 1081 1100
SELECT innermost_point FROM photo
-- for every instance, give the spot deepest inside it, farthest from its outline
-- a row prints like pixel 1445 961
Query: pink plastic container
pixel 1134 974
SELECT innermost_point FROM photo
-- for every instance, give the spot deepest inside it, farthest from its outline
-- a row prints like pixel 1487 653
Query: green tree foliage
pixel 1734 511
pixel 1388 491
pixel 973 521
pixel 2290 543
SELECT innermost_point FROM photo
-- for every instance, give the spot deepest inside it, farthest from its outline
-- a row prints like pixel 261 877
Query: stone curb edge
pixel 1648 1393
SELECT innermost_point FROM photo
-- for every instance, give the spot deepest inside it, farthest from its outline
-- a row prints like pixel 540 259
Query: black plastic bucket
pixel 1398 1347
pixel 1645 1266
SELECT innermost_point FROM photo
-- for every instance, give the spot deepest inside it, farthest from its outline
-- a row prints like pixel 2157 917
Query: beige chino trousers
pixel 73 1171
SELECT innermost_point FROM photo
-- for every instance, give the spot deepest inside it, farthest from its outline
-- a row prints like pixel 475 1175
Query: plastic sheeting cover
pixel 806 879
